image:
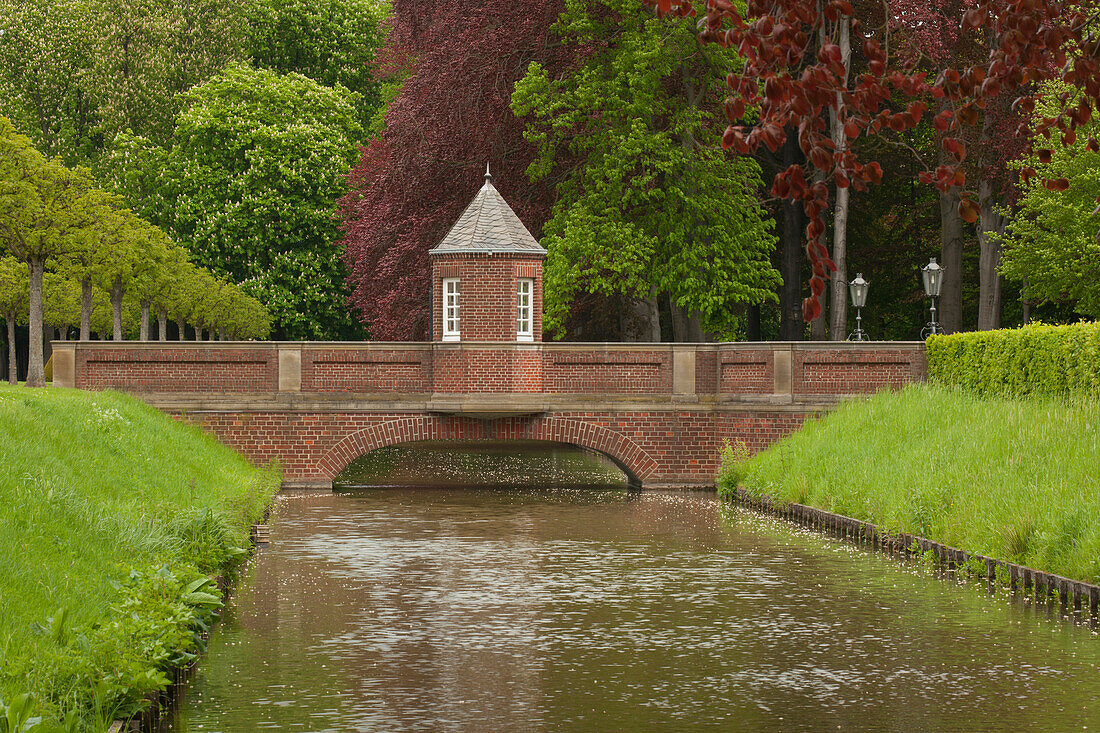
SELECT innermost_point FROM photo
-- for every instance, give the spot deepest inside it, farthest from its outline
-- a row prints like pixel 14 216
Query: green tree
pixel 45 48
pixel 45 211
pixel 648 205
pixel 250 185
pixel 1051 244
pixel 333 42
pixel 61 302
pixel 13 304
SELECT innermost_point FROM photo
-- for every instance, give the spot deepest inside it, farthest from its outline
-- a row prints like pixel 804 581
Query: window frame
pixel 529 334
pixel 452 312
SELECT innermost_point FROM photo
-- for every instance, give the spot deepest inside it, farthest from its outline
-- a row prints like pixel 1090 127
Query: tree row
pixel 72 255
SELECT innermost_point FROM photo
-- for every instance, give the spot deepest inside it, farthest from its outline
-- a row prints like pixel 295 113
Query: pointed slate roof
pixel 489 226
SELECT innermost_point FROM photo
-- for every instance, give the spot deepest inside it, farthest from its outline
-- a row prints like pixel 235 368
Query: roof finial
pixel 488 175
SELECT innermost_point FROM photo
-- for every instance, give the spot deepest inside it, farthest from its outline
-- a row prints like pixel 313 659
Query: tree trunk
pixel 198 333
pixel 144 336
pixel 13 363
pixel 687 327
pixel 1025 304
pixel 116 308
pixel 63 333
pixel 949 304
pixel 819 327
pixel 162 325
pixel 182 329
pixel 790 296
pixel 838 313
pixel 36 372
pixel 640 320
pixel 85 310
pixel 989 278
pixel 752 323
pixel 221 334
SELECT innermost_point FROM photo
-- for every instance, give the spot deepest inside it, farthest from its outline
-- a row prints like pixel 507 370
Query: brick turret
pixel 487 275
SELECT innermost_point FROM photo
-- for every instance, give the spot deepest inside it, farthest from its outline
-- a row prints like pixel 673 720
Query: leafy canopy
pixel 652 204
pixel 250 186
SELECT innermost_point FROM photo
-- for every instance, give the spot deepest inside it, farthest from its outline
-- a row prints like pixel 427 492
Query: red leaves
pixel 956 147
pixel 1057 184
pixel 968 210
pixel 975 18
pixel 1045 156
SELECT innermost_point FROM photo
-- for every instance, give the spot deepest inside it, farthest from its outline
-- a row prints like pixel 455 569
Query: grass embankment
pixel 113 518
pixel 1012 479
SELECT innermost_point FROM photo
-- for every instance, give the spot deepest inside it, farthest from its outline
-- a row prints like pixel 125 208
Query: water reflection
pixel 525 464
pixel 454 610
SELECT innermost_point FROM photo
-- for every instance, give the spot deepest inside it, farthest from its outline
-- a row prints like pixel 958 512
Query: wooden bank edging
pixel 1073 595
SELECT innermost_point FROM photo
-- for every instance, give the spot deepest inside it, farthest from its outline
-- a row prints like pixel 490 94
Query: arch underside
pixel 627 455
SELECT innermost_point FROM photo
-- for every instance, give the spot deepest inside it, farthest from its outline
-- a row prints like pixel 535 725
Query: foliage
pixel 652 203
pixel 332 42
pixel 75 73
pixel 113 517
pixel 1051 242
pixel 13 289
pixel 919 461
pixel 458 64
pixel 1027 43
pixel 1033 361
pixel 249 184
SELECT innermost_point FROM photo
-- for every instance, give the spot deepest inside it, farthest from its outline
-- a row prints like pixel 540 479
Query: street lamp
pixel 858 289
pixel 933 281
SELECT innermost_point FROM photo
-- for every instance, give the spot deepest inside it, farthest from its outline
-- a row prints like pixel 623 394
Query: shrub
pixel 1036 360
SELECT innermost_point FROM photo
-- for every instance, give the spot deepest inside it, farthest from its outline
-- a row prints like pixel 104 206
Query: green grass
pixel 1011 479
pixel 108 510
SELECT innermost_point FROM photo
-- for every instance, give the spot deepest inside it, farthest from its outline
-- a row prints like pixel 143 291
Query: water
pixel 490 609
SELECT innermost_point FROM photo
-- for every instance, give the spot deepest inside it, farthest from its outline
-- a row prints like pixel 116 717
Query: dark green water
pixel 429 609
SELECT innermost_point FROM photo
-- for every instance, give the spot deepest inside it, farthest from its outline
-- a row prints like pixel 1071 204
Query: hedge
pixel 1036 360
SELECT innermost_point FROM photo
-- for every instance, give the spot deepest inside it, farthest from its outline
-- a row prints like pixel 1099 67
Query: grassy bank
pixel 113 519
pixel 1011 479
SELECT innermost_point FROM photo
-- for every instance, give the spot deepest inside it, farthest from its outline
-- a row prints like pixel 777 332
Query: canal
pixel 525 588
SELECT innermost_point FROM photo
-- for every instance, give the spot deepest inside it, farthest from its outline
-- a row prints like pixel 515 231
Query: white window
pixel 450 309
pixel 524 314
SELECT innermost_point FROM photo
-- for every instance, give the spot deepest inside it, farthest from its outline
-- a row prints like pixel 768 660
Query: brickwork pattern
pixel 178 369
pixel 856 372
pixel 654 448
pixel 750 372
pixel 341 370
pixel 487 294
pixel 483 371
pixel 625 372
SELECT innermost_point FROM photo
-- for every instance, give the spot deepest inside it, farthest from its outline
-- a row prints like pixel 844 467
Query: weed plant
pixel 1014 479
pixel 113 520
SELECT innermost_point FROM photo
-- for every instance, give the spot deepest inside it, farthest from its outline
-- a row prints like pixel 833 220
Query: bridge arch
pixel 635 462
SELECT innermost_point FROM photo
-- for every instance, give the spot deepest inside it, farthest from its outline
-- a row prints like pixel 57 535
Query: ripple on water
pixel 434 610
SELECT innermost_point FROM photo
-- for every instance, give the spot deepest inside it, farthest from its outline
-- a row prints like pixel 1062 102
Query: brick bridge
pixel 661 411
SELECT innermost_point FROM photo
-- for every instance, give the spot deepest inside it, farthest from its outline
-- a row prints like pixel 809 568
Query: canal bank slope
pixel 1013 479
pixel 113 521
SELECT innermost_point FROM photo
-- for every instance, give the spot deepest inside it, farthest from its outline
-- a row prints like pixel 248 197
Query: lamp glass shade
pixel 933 278
pixel 858 290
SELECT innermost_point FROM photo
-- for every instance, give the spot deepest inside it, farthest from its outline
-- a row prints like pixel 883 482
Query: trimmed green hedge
pixel 1036 360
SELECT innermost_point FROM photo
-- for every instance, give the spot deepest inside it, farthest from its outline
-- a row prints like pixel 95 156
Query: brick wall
pixel 746 372
pixel 667 448
pixel 487 294
pixel 375 370
pixel 180 368
pixel 839 371
pixel 587 371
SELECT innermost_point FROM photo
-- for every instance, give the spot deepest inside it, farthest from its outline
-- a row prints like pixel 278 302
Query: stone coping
pixel 484 405
pixel 519 346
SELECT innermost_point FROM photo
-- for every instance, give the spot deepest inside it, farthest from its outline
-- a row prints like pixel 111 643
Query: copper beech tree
pixel 795 76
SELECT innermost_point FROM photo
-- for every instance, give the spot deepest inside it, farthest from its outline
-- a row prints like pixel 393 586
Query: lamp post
pixel 932 274
pixel 858 290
